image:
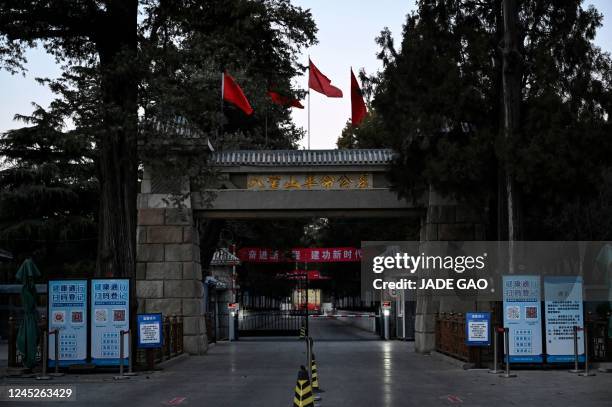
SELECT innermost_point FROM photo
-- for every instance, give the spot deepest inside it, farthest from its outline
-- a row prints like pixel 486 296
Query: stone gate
pixel 274 184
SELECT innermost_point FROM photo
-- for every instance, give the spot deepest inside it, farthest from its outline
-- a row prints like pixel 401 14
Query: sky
pixel 347 30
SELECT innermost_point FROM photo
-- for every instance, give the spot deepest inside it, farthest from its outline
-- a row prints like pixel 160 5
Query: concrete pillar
pixel 445 220
pixel 169 273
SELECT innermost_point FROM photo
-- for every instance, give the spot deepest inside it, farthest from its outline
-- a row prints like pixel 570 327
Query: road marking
pixel 453 399
pixel 176 401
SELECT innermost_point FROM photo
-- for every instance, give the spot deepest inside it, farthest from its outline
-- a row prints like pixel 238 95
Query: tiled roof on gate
pixel 380 156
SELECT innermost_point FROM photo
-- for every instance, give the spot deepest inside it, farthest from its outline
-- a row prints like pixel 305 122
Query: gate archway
pixel 272 184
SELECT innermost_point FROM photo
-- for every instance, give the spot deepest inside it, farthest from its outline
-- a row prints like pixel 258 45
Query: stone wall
pixel 168 269
pixel 445 220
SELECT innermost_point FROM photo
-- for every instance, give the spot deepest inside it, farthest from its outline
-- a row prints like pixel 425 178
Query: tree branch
pixel 37 20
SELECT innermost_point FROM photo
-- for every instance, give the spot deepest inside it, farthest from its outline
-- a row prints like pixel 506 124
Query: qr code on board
pixel 77 317
pixel 119 315
pixel 531 312
pixel 513 312
pixel 101 315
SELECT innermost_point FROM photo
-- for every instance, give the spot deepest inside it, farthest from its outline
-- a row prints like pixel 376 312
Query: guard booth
pixel 400 306
pixel 219 291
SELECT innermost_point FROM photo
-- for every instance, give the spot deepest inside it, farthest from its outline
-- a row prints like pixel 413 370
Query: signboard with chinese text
pixel 110 314
pixel 307 255
pixel 563 309
pixel 522 317
pixel 309 181
pixel 68 312
pixel 149 328
pixel 477 328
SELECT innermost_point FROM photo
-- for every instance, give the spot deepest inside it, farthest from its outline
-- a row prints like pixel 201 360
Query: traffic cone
pixel 315 376
pixel 303 391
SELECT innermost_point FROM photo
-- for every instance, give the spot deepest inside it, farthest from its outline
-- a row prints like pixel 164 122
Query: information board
pixel 67 310
pixel 149 330
pixel 478 328
pixel 563 308
pixel 110 314
pixel 522 318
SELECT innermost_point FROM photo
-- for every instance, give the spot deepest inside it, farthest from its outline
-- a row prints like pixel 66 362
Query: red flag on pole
pixel 320 83
pixel 233 94
pixel 358 107
pixel 284 100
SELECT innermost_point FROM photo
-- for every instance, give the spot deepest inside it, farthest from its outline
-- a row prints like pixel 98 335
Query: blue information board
pixel 149 330
pixel 522 318
pixel 110 314
pixel 563 310
pixel 478 328
pixel 67 308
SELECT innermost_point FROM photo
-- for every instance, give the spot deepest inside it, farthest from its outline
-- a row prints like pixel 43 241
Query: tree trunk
pixel 512 76
pixel 117 160
pixel 117 147
pixel 500 212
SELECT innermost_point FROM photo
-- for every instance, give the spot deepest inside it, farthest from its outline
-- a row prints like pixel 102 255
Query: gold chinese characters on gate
pixel 309 181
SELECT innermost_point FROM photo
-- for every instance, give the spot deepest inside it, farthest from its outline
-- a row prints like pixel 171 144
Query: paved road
pixel 262 372
pixel 330 329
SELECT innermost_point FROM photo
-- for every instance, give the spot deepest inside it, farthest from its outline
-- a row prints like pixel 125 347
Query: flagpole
pixel 309 117
pixel 222 95
pixel 309 101
pixel 266 128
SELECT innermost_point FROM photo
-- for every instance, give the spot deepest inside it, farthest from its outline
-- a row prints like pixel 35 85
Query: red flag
pixel 284 100
pixel 358 107
pixel 320 83
pixel 233 94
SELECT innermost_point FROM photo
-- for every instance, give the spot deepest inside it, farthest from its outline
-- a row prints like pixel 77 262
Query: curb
pixel 17 373
pixel 603 367
pixel 455 362
pixel 171 362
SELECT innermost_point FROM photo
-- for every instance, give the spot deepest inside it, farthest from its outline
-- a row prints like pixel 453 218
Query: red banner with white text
pixel 302 255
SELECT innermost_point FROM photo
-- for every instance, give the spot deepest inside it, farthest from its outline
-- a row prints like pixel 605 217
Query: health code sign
pixel 477 328
pixel 68 313
pixel 149 330
pixel 522 317
pixel 110 314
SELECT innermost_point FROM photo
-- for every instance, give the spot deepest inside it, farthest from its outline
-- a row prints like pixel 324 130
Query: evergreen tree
pixel 49 194
pixel 167 65
pixel 440 103
pixel 369 134
pixel 101 34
